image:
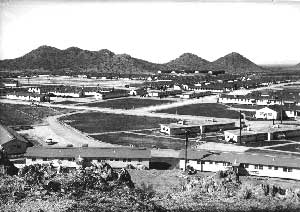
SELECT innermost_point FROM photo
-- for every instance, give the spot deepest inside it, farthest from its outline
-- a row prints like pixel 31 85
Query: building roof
pixel 87 152
pixel 259 159
pixel 194 154
pixel 179 126
pixel 244 132
pixel 7 134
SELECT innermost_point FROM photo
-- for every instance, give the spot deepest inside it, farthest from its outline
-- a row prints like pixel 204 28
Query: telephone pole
pixel 186 146
pixel 240 127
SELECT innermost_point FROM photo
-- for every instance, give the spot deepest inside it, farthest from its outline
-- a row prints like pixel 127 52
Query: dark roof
pixel 7 134
pixel 272 160
pixel 194 154
pixel 87 152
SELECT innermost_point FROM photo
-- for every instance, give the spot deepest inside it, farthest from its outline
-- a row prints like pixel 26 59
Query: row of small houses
pixel 261 99
pixel 42 94
pixel 119 157
pixel 201 160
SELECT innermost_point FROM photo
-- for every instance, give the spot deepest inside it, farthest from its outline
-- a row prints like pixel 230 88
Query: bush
pixel 245 192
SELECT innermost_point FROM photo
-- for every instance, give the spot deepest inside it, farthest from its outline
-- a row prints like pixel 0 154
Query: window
pixel 124 160
pixel 261 167
pixel 198 161
pixel 289 170
pixel 224 164
pixel 111 159
pixel 33 159
pixel 129 160
pixel 284 169
pixel 270 167
pixel 275 167
pixel 140 160
pixel 210 162
pixel 116 159
pixel 246 165
pixel 44 159
pixel 255 166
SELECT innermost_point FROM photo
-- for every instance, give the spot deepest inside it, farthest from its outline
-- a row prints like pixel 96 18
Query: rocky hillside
pixel 105 61
pixel 188 61
pixel 51 58
pixel 236 63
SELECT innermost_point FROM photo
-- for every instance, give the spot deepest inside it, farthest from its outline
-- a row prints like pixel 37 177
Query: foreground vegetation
pixel 101 188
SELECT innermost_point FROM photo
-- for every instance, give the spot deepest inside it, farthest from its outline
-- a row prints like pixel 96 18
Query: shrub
pixel 245 192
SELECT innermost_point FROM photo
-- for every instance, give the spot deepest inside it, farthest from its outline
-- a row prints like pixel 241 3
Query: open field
pixel 97 122
pixel 266 151
pixel 289 148
pixel 17 114
pixel 205 109
pixel 256 107
pixel 127 103
pixel 67 102
pixel 265 143
pixel 139 140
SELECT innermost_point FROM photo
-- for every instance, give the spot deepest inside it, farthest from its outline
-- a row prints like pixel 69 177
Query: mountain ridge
pixel 104 60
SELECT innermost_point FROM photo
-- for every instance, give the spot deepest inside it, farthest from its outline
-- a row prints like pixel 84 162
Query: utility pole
pixel 186 146
pixel 240 127
pixel 281 111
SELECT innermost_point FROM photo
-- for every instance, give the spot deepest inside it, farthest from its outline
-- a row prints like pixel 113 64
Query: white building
pixel 267 113
pixel 27 96
pixel 118 157
pixel 275 112
pixel 245 163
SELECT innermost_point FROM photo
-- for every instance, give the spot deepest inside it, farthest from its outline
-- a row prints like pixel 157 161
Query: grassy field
pixel 256 107
pixel 265 143
pixel 127 103
pixel 270 152
pixel 205 109
pixel 104 122
pixel 127 139
pixel 67 102
pixel 13 115
pixel 289 147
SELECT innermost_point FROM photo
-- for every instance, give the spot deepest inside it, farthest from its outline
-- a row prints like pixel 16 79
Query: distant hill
pixel 105 61
pixel 51 58
pixel 188 61
pixel 236 63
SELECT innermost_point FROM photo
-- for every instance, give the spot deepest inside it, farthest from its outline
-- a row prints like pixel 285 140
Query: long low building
pixel 274 133
pixel 245 163
pixel 207 126
pixel 27 96
pixel 118 157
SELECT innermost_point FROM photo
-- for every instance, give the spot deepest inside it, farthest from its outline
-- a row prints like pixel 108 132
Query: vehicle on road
pixel 50 141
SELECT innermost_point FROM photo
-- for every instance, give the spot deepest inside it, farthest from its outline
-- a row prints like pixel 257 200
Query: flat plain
pixel 127 103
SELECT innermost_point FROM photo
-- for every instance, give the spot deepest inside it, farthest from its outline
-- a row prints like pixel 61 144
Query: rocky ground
pixel 98 187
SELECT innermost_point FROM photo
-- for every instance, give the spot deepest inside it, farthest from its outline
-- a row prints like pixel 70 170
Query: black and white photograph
pixel 137 106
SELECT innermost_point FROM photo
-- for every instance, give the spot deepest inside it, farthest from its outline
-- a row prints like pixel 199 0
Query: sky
pixel 266 33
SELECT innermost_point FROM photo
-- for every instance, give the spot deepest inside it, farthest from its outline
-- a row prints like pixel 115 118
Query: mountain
pixel 51 58
pixel 105 61
pixel 236 63
pixel 188 61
